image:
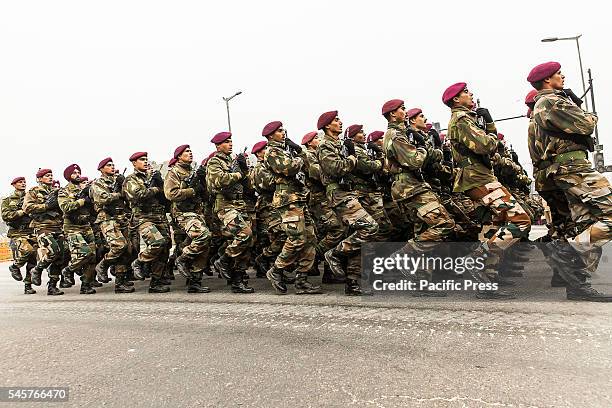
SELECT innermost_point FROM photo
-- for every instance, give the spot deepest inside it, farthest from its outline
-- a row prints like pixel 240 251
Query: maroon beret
pixel 428 126
pixel 308 137
pixel 84 178
pixel 375 135
pixel 391 105
pixel 179 150
pixel 42 172
pixel 69 170
pixel 259 146
pixel 530 98
pixel 442 136
pixel 271 128
pixel 452 91
pixel 104 162
pixel 352 130
pixel 221 137
pixel 210 156
pixel 326 118
pixel 137 156
pixel 172 162
pixel 500 136
pixel 413 112
pixel 17 180
pixel 543 71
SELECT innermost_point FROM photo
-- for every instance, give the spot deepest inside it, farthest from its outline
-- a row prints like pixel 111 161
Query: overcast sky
pixel 82 80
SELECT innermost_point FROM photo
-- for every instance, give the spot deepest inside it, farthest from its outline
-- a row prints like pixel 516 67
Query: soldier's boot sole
pixel 137 269
pixel 335 264
pixel 198 289
pixel 223 272
pixel 54 292
pixel 279 286
pixel 36 277
pixel 29 291
pixel 159 289
pixel 87 291
pixel 124 289
pixel 311 290
pixel 600 297
pixel 16 273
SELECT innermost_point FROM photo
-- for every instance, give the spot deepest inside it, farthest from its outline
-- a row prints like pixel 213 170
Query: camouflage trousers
pixel 236 228
pixel 194 226
pixel 401 228
pixel 271 235
pixel 82 246
pixel 372 202
pixel 329 228
pixel 562 225
pixel 426 210
pixel 23 249
pixel 510 221
pixel 116 235
pixel 52 251
pixel 154 236
pixel 364 228
pixel 299 247
pixel 589 199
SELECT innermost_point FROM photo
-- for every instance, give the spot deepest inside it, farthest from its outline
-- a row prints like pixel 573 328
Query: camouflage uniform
pixel 79 234
pixel 113 223
pixel 223 179
pixel 334 167
pixel 470 144
pixel 47 225
pixel 149 220
pixel 22 239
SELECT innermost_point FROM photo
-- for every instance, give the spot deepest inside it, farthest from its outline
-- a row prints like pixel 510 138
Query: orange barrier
pixel 5 251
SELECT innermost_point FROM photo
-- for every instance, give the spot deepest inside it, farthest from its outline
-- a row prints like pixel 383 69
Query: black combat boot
pixel 67 278
pixel 16 272
pixel 239 285
pixel 86 288
pixel 27 290
pixel 37 274
pixel 275 276
pixel 120 284
pixel 95 284
pixel 353 288
pixel 52 289
pixel 138 268
pixel 102 271
pixel 334 260
pixel 183 265
pixel 303 287
pixel 328 276
pixel 261 266
pixel 195 285
pixel 156 286
pixel 587 294
pixel 557 281
pixel 169 271
pixel 164 281
pixel 288 277
pixel 223 266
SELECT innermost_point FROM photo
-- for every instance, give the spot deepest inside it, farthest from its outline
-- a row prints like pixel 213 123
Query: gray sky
pixel 82 80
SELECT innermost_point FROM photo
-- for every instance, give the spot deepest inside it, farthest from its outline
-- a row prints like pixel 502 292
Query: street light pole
pixel 552 39
pixel 229 124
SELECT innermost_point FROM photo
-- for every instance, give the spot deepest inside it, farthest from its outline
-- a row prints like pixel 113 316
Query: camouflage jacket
pixel 77 215
pixel 464 131
pixel 284 169
pixel 225 181
pixel 108 204
pixel 176 189
pixel 312 168
pixel 404 158
pixel 536 152
pixel 263 182
pixel 554 111
pixel 334 166
pixel 14 216
pixel 142 198
pixel 362 175
pixel 34 205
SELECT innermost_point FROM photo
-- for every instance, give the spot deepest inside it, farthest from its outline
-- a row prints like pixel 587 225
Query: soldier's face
pixel 335 127
pixel 142 164
pixel 226 147
pixel 420 122
pixel 315 142
pixel 47 179
pixel 399 115
pixel 465 99
pixel 76 176
pixel 379 142
pixel 279 135
pixel 260 154
pixel 186 156
pixel 360 137
pixel 108 169
pixel 557 81
pixel 20 185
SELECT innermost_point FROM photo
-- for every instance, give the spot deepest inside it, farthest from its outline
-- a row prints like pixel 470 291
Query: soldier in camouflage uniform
pixel 224 177
pixel 329 227
pixel 183 187
pixel 335 167
pixel 106 193
pixel 142 192
pixel 75 203
pixel 410 191
pixel 22 239
pixel 472 148
pixel 290 198
pixel 564 130
pixel 42 206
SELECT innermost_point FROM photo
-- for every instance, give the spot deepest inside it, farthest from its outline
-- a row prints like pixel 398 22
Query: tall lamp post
pixel 552 39
pixel 229 125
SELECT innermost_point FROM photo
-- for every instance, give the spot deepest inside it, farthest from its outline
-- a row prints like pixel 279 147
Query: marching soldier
pixel 335 167
pixel 472 148
pixel 23 241
pixel 224 179
pixel 564 130
pixel 290 199
pixel 106 193
pixel 41 204
pixel 75 203
pixel 149 220
pixel 184 189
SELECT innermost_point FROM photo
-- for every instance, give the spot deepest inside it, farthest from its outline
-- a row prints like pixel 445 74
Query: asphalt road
pixel 264 350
